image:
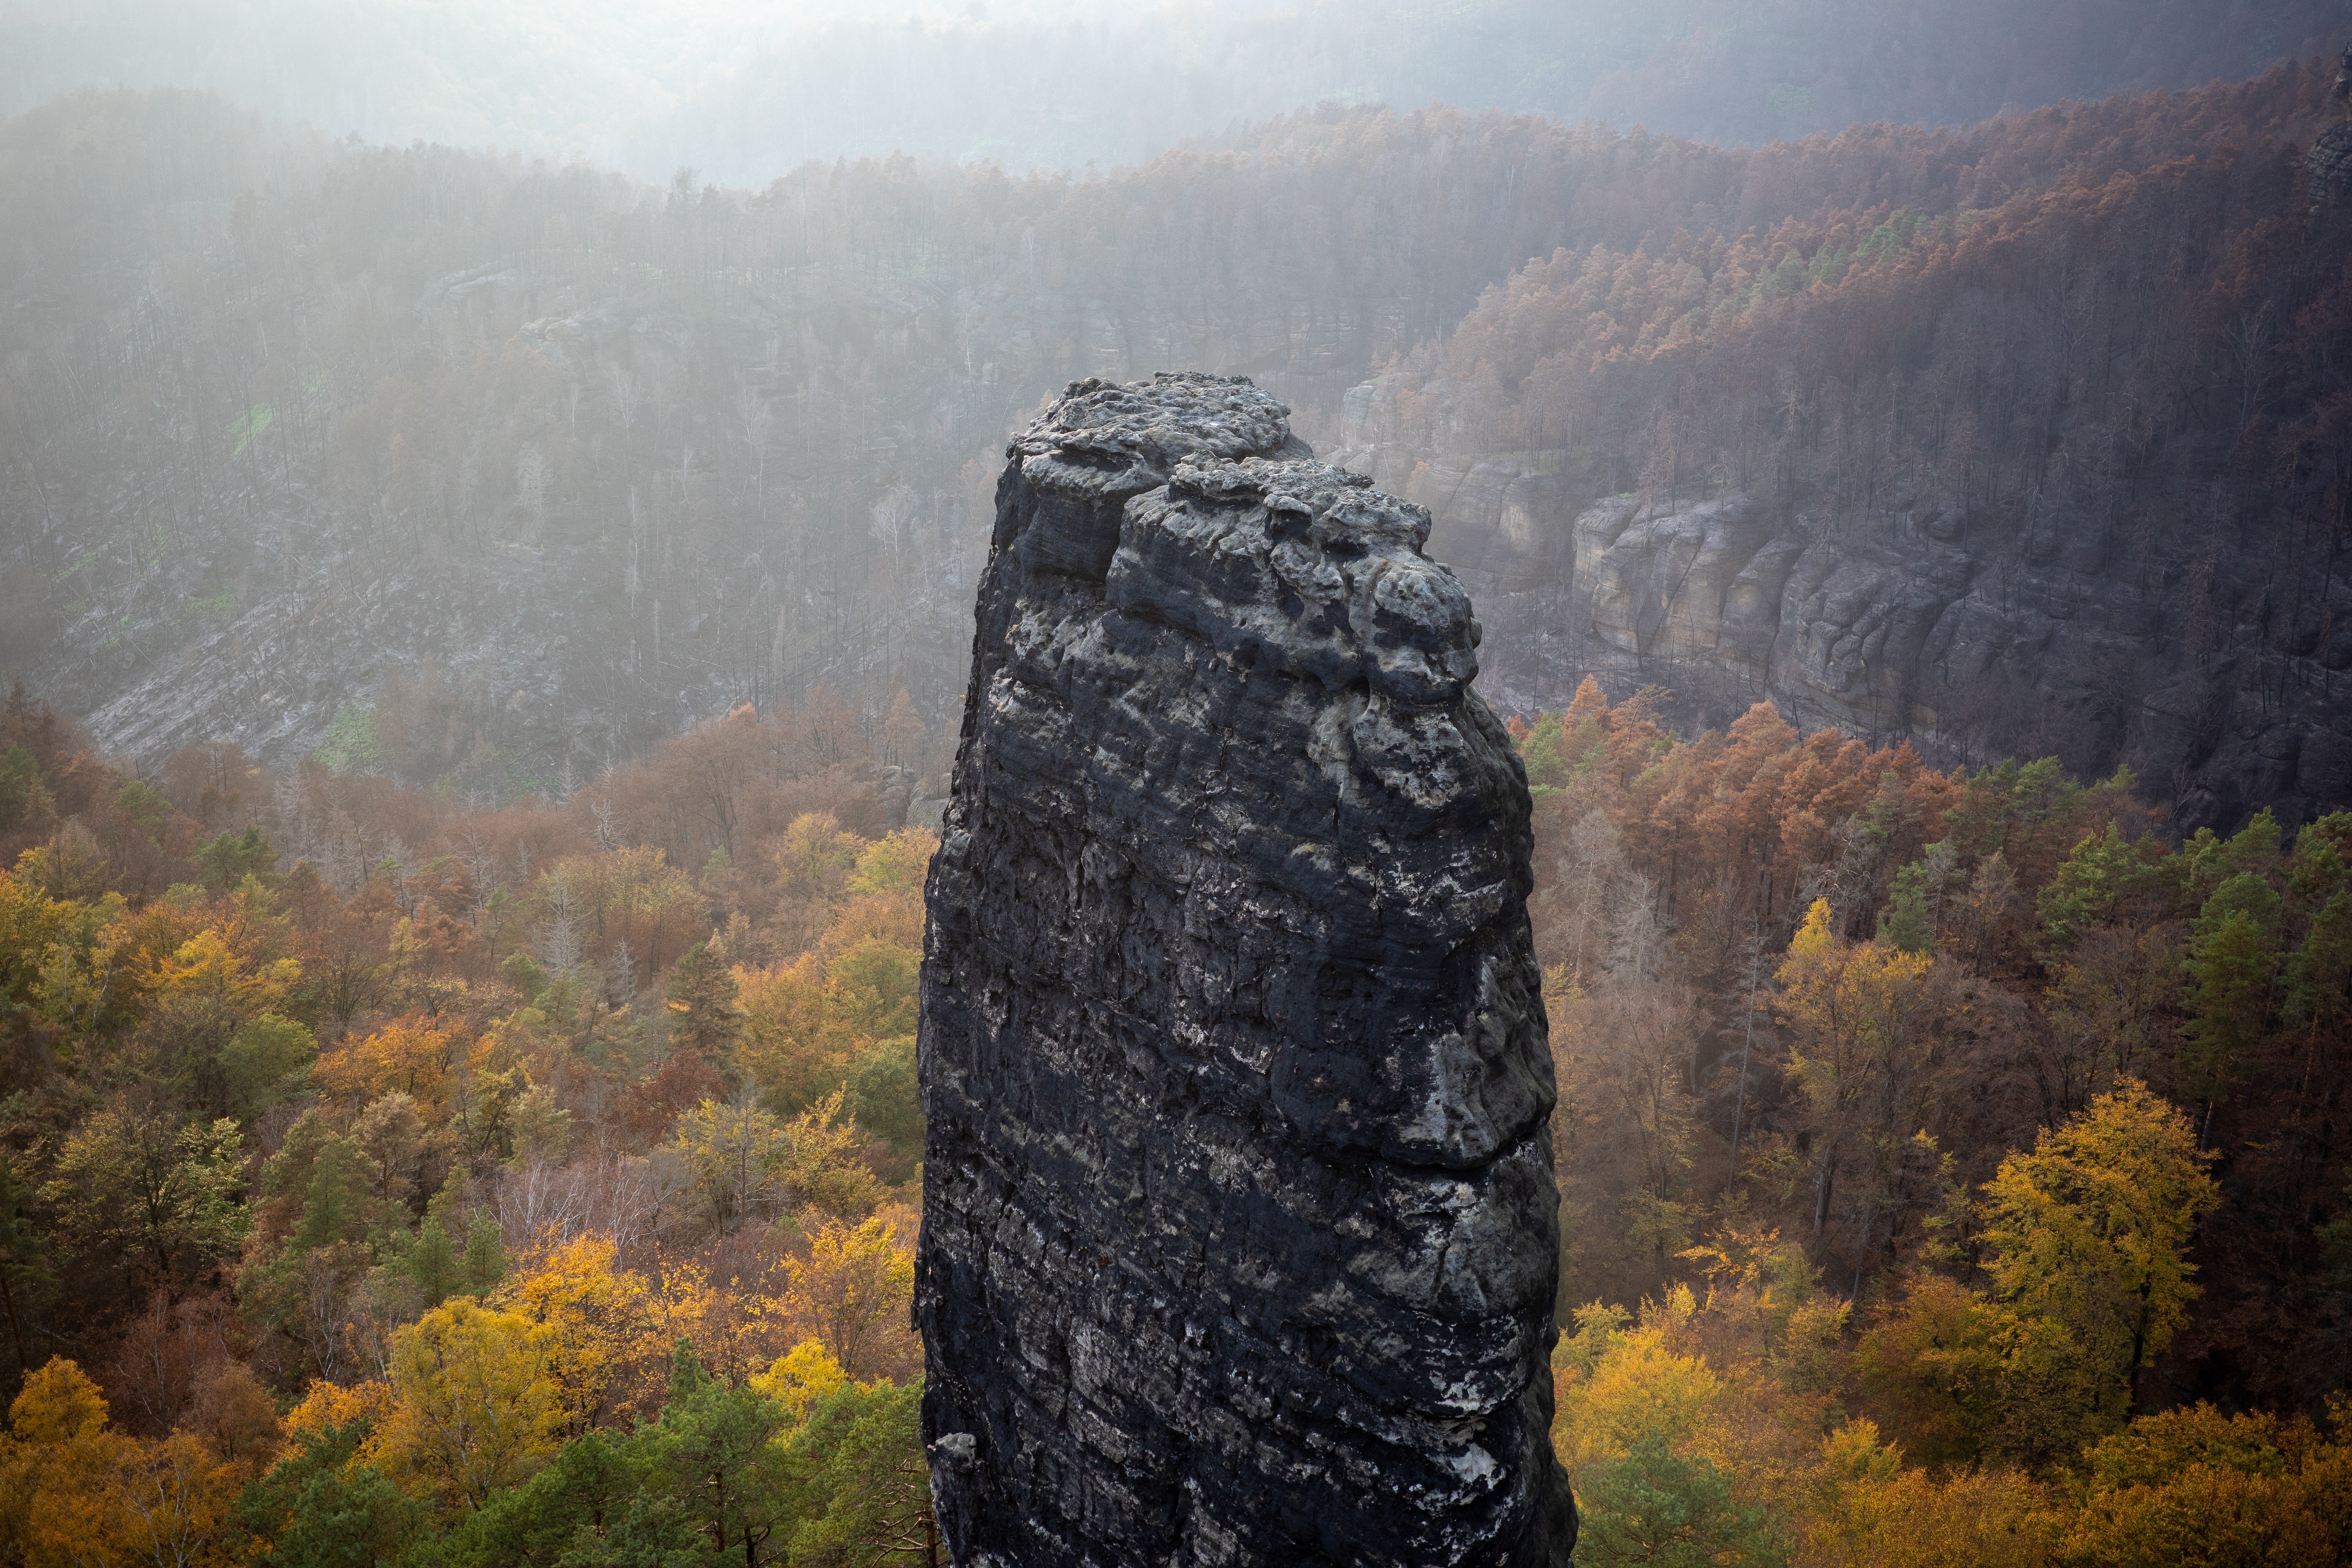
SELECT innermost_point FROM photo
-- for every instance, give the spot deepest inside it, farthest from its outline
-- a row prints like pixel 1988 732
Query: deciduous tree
pixel 2091 1229
pixel 475 1403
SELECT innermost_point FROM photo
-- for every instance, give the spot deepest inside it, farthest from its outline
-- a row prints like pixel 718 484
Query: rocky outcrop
pixel 2212 668
pixel 1239 1234
pixel 2058 642
pixel 2330 164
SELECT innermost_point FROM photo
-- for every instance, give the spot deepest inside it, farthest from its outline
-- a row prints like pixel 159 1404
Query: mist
pixel 742 93
pixel 1270 782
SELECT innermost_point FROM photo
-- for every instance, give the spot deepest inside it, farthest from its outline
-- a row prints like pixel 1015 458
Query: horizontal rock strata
pixel 1239 1234
pixel 1971 642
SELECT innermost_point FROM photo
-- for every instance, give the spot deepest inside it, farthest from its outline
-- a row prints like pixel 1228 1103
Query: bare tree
pixel 555 941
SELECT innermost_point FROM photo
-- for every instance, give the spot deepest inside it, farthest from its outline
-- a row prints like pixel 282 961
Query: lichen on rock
pixel 1240 1235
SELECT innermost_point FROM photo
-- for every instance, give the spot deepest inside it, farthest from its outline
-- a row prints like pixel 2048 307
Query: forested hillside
pixel 611 459
pixel 469 1140
pixel 577 462
pixel 2017 440
pixel 1932 967
pixel 484 638
pixel 1951 1164
pixel 1955 1121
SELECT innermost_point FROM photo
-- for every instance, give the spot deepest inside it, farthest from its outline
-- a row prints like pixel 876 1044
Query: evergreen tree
pixel 704 1016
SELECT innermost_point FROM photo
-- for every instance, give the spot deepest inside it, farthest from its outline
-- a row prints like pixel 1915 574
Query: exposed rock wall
pixel 2330 162
pixel 1239 1234
pixel 2216 668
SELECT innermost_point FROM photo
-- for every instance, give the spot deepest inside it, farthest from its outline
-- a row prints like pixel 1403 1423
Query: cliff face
pixel 1239 1237
pixel 1977 475
pixel 2330 162
pixel 2210 665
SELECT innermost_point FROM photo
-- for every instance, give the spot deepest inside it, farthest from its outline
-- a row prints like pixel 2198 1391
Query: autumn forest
pixel 485 643
pixel 467 1177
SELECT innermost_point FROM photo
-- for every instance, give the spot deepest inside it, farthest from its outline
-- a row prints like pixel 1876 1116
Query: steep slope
pixel 2060 471
pixel 274 429
pixel 278 426
pixel 578 462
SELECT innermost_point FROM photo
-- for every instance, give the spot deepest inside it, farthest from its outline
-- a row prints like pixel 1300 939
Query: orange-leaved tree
pixel 74 1493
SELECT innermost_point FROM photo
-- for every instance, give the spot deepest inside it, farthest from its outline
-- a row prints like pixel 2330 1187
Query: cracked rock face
pixel 1239 1231
pixel 1973 643
pixel 2215 672
pixel 2330 162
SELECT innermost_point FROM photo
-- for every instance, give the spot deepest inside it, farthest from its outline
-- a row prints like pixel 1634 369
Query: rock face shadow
pixel 1239 1233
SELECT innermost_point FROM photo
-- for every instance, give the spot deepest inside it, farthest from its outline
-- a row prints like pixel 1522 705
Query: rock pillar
pixel 1239 1230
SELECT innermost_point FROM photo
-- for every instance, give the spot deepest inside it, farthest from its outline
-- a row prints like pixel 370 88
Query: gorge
pixel 576 464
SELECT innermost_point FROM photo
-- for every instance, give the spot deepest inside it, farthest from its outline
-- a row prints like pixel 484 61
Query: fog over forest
pixel 501 507
pixel 753 428
pixel 743 92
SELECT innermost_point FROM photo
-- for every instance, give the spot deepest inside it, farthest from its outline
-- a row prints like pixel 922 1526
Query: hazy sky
pixel 744 91
pixel 551 77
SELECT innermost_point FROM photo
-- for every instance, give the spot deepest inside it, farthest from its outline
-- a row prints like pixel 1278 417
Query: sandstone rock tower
pixel 1239 1236
pixel 2330 158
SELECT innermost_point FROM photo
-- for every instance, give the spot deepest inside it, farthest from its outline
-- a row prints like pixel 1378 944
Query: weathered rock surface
pixel 2214 670
pixel 1239 1234
pixel 2330 162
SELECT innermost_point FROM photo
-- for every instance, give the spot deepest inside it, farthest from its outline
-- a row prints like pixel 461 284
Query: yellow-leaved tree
pixel 326 1405
pixel 2090 1231
pixel 475 1406
pixel 1861 1012
pixel 603 1344
pixel 2085 1253
pixel 733 1154
pixel 76 1494
pixel 1866 1508
pixel 176 1496
pixel 819 1163
pixel 802 1378
pixel 1665 1468
pixel 2249 1489
pixel 785 1046
pixel 58 1499
pixel 851 1294
pixel 407 1056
